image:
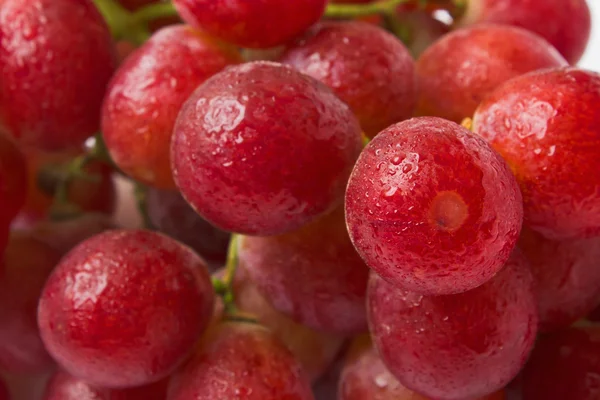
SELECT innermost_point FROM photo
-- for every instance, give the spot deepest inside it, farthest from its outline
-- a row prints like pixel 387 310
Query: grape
pixel 63 386
pixel 365 377
pixel 240 361
pixel 172 215
pixel 314 350
pixel 547 126
pixel 245 146
pixel 567 277
pixel 565 24
pixel 13 173
pixel 458 71
pixel 146 93
pixel 564 365
pixel 95 192
pixel 255 24
pixel 56 57
pixel 456 346
pixel 431 208
pixel 367 67
pixel 25 267
pixel 124 308
pixel 63 235
pixel 312 274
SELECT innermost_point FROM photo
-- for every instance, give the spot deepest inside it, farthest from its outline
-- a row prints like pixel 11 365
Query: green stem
pixel 232 262
pixel 121 22
pixel 60 179
pixel 386 7
pixel 141 198
pixel 155 11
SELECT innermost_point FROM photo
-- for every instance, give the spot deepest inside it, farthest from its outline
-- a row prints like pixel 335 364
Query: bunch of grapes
pixel 343 200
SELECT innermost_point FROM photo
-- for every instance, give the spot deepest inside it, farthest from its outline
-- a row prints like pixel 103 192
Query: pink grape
pixel 432 208
pixel 245 146
pixel 456 346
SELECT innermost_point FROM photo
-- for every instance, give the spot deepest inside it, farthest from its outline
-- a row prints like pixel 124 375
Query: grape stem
pixel 61 207
pixel 387 7
pixel 153 12
pixel 224 287
pixel 122 23
pixel 141 199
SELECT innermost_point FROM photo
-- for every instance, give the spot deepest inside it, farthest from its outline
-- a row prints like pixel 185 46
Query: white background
pixel 591 59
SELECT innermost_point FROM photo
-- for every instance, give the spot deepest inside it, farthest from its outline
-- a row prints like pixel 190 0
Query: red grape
pixel 312 274
pixel 457 346
pixel 458 71
pixel 63 386
pixel 365 377
pixel 240 361
pixel 546 125
pixel 125 308
pixel 13 178
pixel 56 57
pixel 95 192
pixel 25 267
pixel 315 350
pixel 567 277
pixel 432 208
pixel 565 24
pixel 146 93
pixel 172 215
pixel 63 235
pixel 367 67
pixel 246 143
pixel 261 24
pixel 564 365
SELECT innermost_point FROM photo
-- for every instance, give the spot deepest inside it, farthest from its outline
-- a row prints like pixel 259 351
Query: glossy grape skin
pixel 240 360
pixel 565 24
pixel 13 178
pixel 56 58
pixel 124 308
pixel 146 93
pixel 458 71
pixel 254 24
pixel 546 125
pixel 365 377
pixel 312 274
pixel 564 365
pixel 26 265
pixel 367 67
pixel 567 277
pixel 456 346
pixel 432 208
pixel 94 193
pixel 314 350
pixel 245 144
pixel 171 214
pixel 63 386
